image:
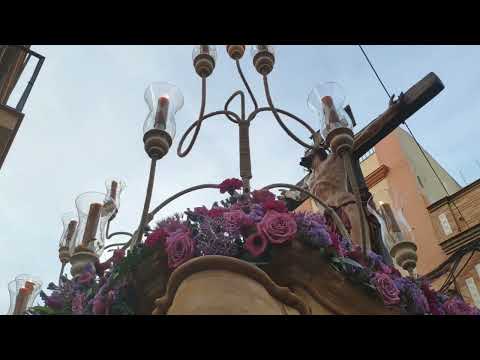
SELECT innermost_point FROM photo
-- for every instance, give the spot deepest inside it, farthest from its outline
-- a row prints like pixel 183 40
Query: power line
pixel 419 146
pixel 378 77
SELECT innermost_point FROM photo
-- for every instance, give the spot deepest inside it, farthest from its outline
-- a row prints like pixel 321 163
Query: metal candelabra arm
pixel 198 122
pixel 109 236
pixel 176 196
pixel 328 210
pixel 246 84
pixel 242 103
pixel 279 120
pixel 195 125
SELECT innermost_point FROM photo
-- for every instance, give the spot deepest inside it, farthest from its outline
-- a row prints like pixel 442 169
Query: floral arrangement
pixel 100 290
pixel 246 226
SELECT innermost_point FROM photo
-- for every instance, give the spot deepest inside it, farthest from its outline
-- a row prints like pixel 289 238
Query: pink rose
pixel 386 288
pixel 261 196
pixel 256 244
pixel 278 228
pixel 179 247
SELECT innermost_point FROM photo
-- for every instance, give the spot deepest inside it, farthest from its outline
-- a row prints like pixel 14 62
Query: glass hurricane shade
pixel 163 100
pixel 255 49
pixel 70 223
pixel 114 188
pixel 204 49
pixel 327 100
pixel 397 225
pixel 23 291
pixel 93 216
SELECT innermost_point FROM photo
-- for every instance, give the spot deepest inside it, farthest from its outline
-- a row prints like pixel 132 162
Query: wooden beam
pixel 413 100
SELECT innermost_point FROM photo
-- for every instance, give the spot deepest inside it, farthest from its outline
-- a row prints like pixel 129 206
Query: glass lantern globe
pixel 93 217
pixel 206 50
pixel 163 100
pixel 327 100
pixel 70 223
pixel 23 291
pixel 114 188
pixel 255 49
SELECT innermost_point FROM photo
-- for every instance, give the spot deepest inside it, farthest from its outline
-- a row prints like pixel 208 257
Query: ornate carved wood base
pixel 299 280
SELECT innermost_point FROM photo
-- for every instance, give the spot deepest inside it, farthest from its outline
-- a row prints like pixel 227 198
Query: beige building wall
pixel 428 183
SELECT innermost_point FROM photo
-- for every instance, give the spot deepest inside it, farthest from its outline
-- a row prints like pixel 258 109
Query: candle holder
pixel 114 187
pixel 236 51
pixel 90 237
pixel 404 249
pixel 70 223
pixel 326 101
pixel 163 100
pixel 23 291
pixel 204 57
pixel 263 58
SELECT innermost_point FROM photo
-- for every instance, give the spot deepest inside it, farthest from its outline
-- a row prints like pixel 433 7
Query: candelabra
pixel 83 238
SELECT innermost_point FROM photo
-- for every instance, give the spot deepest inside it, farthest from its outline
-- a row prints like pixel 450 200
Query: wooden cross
pixel 407 104
pixel 399 111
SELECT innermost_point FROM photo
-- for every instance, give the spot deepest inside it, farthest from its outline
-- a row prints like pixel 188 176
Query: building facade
pixel 13 61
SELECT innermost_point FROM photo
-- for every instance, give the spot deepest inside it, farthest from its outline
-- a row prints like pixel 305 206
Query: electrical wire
pixel 378 77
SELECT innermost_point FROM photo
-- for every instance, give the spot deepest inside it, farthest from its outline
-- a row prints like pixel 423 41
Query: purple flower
pixel 233 220
pixel 213 238
pixel 433 299
pixel 413 300
pixel 318 236
pixel 55 301
pixel 455 306
pixel 256 212
pixel 386 288
pixel 78 303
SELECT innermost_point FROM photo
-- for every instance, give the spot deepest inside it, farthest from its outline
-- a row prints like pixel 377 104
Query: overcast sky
pixel 84 117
